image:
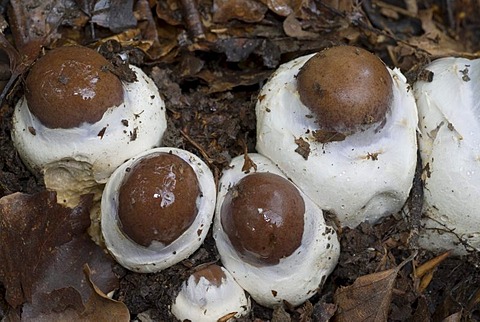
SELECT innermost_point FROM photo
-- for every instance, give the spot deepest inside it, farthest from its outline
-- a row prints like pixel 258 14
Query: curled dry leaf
pixel 44 248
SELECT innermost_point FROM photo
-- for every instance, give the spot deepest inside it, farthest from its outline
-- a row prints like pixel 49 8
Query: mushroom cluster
pixel 78 121
pixel 336 132
pixel 449 141
pixel 341 126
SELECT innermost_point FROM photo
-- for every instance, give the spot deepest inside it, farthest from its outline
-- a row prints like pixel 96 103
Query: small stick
pixel 192 19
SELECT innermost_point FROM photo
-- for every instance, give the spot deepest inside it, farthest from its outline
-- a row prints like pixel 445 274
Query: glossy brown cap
pixel 212 273
pixel 263 216
pixel 346 88
pixel 158 199
pixel 71 85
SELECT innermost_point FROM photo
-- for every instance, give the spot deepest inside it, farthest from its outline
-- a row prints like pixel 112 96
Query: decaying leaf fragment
pixel 369 297
pixel 44 247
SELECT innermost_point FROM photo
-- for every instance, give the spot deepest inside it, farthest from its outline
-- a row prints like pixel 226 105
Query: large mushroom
pixel 270 236
pixel 157 209
pixel 449 141
pixel 78 121
pixel 342 127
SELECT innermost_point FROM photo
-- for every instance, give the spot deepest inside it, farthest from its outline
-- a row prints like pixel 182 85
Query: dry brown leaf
pixel 293 28
pixel 424 273
pixel 368 298
pixel 44 249
pixel 102 308
pixel 229 79
pixel 431 264
pixel 434 41
pixel 282 7
pixel 245 10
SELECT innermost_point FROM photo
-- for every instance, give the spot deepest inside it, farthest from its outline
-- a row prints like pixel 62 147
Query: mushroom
pixel 210 294
pixel 157 208
pixel 78 121
pixel 270 236
pixel 341 126
pixel 449 141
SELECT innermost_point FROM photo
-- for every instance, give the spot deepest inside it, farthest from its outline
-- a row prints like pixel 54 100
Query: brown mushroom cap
pixel 212 273
pixel 346 88
pixel 158 199
pixel 71 85
pixel 263 216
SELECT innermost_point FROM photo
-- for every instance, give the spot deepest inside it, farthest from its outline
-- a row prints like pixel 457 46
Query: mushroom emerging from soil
pixel 210 294
pixel 78 121
pixel 449 140
pixel 341 126
pixel 270 236
pixel 157 208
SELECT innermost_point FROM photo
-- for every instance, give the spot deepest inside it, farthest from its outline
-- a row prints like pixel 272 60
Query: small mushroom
pixel 157 208
pixel 210 294
pixel 78 121
pixel 270 236
pixel 449 141
pixel 341 126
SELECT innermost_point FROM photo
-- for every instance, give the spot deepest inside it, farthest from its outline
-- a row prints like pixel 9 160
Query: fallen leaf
pixel 431 264
pixel 293 28
pixel 101 307
pixel 117 15
pixel 368 298
pixel 245 10
pixel 282 7
pixel 424 273
pixel 44 249
pixel 225 81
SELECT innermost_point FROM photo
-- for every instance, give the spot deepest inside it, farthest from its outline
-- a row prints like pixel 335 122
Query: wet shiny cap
pixel 71 85
pixel 212 273
pixel 346 88
pixel 158 199
pixel 263 216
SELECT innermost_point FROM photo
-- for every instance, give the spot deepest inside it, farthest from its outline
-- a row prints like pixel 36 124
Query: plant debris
pixel 44 249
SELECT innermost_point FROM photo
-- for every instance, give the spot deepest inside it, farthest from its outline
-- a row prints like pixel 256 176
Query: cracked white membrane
pixel 449 140
pixel 78 159
pixel 160 229
pixel 366 176
pixel 210 294
pixel 268 273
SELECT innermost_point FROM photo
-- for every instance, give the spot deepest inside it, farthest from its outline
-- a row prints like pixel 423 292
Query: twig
pixel 192 19
pixel 198 147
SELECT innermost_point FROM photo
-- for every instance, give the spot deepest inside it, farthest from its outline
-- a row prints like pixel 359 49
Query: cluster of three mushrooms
pixel 336 132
